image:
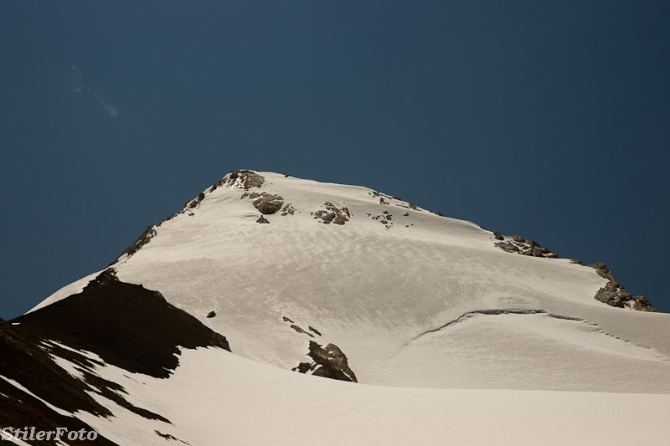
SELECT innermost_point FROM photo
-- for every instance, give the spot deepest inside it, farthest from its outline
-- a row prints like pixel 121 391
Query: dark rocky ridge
pixel 125 324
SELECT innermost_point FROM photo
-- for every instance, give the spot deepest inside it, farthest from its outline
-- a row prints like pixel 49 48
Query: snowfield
pixel 219 398
pixel 452 339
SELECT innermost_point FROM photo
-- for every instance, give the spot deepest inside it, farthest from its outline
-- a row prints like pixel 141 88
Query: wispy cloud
pixel 76 77
pixel 79 86
pixel 108 108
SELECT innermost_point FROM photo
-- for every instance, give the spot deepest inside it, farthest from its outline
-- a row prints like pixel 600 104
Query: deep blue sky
pixel 546 119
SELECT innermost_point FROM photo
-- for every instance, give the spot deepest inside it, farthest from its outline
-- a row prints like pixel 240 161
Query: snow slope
pixel 218 398
pixel 412 300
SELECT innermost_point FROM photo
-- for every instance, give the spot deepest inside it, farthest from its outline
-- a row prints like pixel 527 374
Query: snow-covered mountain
pixel 454 334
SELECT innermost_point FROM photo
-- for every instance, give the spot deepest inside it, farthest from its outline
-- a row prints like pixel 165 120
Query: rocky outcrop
pixel 266 203
pixel 143 239
pixel 288 210
pixel 519 245
pixel 262 220
pixel 615 295
pixel 332 214
pixel 241 179
pixel 328 362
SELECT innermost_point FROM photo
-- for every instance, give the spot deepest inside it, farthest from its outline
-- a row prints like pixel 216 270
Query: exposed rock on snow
pixel 266 203
pixel 332 214
pixel 519 245
pixel 328 362
pixel 240 179
pixel 288 210
pixel 614 293
pixel 300 330
pixel 143 239
pixel 384 218
pixel 194 203
pixel 262 220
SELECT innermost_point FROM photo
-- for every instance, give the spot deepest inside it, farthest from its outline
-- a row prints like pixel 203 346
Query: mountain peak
pixel 329 280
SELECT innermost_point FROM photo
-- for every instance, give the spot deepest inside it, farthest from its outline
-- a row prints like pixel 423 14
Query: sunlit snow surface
pixel 218 398
pixel 418 310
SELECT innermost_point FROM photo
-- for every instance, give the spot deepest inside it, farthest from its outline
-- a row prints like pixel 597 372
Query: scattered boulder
pixel 267 203
pixel 211 314
pixel 328 362
pixel 300 330
pixel 262 220
pixel 498 236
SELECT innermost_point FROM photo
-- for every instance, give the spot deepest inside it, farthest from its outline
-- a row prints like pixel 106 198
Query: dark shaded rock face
pixel 24 361
pixel 519 245
pixel 328 362
pixel 615 295
pixel 267 203
pixel 125 324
